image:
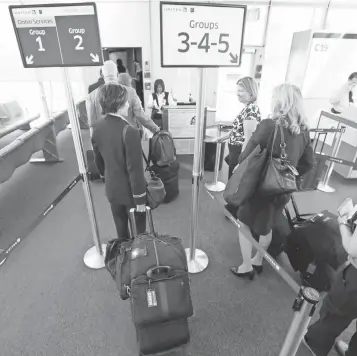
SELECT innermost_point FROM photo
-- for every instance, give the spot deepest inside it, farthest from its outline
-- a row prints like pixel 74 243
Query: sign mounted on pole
pixel 201 35
pixel 57 35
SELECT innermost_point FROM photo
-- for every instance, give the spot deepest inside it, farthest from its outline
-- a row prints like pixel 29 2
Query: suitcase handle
pixel 159 270
pixel 133 222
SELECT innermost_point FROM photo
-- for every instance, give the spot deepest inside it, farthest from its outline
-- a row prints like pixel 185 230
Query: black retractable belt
pixel 4 254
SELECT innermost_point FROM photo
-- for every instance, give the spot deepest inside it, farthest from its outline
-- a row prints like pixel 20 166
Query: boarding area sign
pixel 57 35
pixel 201 35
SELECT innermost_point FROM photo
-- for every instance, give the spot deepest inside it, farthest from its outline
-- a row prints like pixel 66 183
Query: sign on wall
pixel 57 35
pixel 201 35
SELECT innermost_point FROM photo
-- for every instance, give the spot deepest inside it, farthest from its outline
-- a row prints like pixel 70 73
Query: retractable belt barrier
pixel 4 254
pixel 305 302
pixel 324 186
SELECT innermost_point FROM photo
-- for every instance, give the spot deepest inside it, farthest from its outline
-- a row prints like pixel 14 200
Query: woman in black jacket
pixel 118 155
pixel 259 212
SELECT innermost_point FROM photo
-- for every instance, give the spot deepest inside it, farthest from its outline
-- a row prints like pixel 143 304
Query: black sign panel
pixel 57 35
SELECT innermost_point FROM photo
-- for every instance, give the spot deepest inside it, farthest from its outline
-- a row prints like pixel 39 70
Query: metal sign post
pixel 197 259
pixel 63 35
pixel 200 35
pixel 94 257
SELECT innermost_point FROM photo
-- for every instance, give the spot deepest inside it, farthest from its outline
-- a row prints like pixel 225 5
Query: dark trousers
pixel 121 220
pixel 339 309
pixel 234 153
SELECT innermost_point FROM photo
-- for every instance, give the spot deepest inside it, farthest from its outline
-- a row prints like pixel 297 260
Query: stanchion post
pixel 304 307
pixel 323 186
pixel 197 260
pixel 94 257
pixel 217 186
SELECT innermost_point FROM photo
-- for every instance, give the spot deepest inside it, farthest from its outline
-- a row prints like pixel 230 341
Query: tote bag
pixel 245 179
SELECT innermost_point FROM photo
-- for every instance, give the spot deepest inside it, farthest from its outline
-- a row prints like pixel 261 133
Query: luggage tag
pixel 151 297
pixel 138 252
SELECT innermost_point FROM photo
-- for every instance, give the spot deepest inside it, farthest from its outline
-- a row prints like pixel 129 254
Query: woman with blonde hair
pixel 259 213
pixel 246 121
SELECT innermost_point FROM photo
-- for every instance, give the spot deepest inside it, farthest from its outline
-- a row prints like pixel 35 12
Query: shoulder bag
pixel 280 175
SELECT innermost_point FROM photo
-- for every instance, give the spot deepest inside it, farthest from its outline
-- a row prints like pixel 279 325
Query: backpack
pixel 162 151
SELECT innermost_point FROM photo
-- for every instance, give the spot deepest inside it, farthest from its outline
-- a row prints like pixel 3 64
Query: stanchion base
pixel 93 259
pixel 325 188
pixel 215 187
pixel 199 263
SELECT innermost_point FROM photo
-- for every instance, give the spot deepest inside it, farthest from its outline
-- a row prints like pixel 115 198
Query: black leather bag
pixel 280 176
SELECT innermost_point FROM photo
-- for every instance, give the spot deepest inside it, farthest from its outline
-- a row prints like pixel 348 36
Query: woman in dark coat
pixel 259 213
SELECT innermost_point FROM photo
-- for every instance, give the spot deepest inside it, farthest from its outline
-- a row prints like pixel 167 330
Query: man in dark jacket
pixel 117 149
pixel 97 84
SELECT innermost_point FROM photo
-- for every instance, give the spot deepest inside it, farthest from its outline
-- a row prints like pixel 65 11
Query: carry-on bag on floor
pixel 314 247
pixel 159 290
pixel 93 173
pixel 170 177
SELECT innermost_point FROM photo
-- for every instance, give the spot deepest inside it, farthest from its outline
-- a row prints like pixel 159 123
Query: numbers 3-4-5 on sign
pixel 201 35
pixel 58 35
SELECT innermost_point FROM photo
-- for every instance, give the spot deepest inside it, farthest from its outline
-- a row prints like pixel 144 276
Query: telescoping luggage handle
pixel 133 222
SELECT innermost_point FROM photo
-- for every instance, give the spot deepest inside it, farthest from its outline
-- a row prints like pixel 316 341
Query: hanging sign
pixel 201 35
pixel 57 35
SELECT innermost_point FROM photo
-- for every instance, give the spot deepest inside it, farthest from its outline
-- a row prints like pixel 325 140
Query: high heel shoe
pixel 249 274
pixel 258 269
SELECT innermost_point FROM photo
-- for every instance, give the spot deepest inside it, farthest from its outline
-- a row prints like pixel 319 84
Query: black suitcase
pixel 163 337
pixel 93 173
pixel 159 291
pixel 170 177
pixel 314 247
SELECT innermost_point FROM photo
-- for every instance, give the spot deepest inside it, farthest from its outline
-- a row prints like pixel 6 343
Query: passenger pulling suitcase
pixel 159 290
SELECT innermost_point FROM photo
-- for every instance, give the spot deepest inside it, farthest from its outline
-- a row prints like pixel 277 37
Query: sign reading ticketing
pixel 201 35
pixel 57 35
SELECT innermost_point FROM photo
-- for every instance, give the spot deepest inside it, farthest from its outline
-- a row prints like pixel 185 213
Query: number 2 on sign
pixel 204 43
pixel 79 46
pixel 40 46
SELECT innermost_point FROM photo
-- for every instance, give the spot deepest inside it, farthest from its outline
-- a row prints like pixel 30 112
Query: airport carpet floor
pixel 53 305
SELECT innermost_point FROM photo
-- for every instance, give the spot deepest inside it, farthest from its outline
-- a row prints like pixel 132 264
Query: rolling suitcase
pixel 159 290
pixel 93 173
pixel 314 247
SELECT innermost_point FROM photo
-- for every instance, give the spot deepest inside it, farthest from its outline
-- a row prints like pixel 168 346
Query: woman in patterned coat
pixel 245 123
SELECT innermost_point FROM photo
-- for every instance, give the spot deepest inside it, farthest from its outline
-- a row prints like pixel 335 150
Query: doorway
pixel 128 60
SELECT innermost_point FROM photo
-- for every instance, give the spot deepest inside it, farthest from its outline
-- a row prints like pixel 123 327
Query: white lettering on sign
pixel 81 31
pixel 24 22
pixel 79 46
pixel 37 32
pixel 40 46
pixel 201 35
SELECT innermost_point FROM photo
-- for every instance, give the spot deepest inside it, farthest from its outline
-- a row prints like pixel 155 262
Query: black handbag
pixel 280 175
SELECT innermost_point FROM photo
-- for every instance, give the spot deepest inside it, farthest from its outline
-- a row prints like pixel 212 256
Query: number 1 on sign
pixel 39 41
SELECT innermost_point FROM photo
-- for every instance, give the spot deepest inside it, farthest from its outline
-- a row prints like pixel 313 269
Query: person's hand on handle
pixel 141 208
